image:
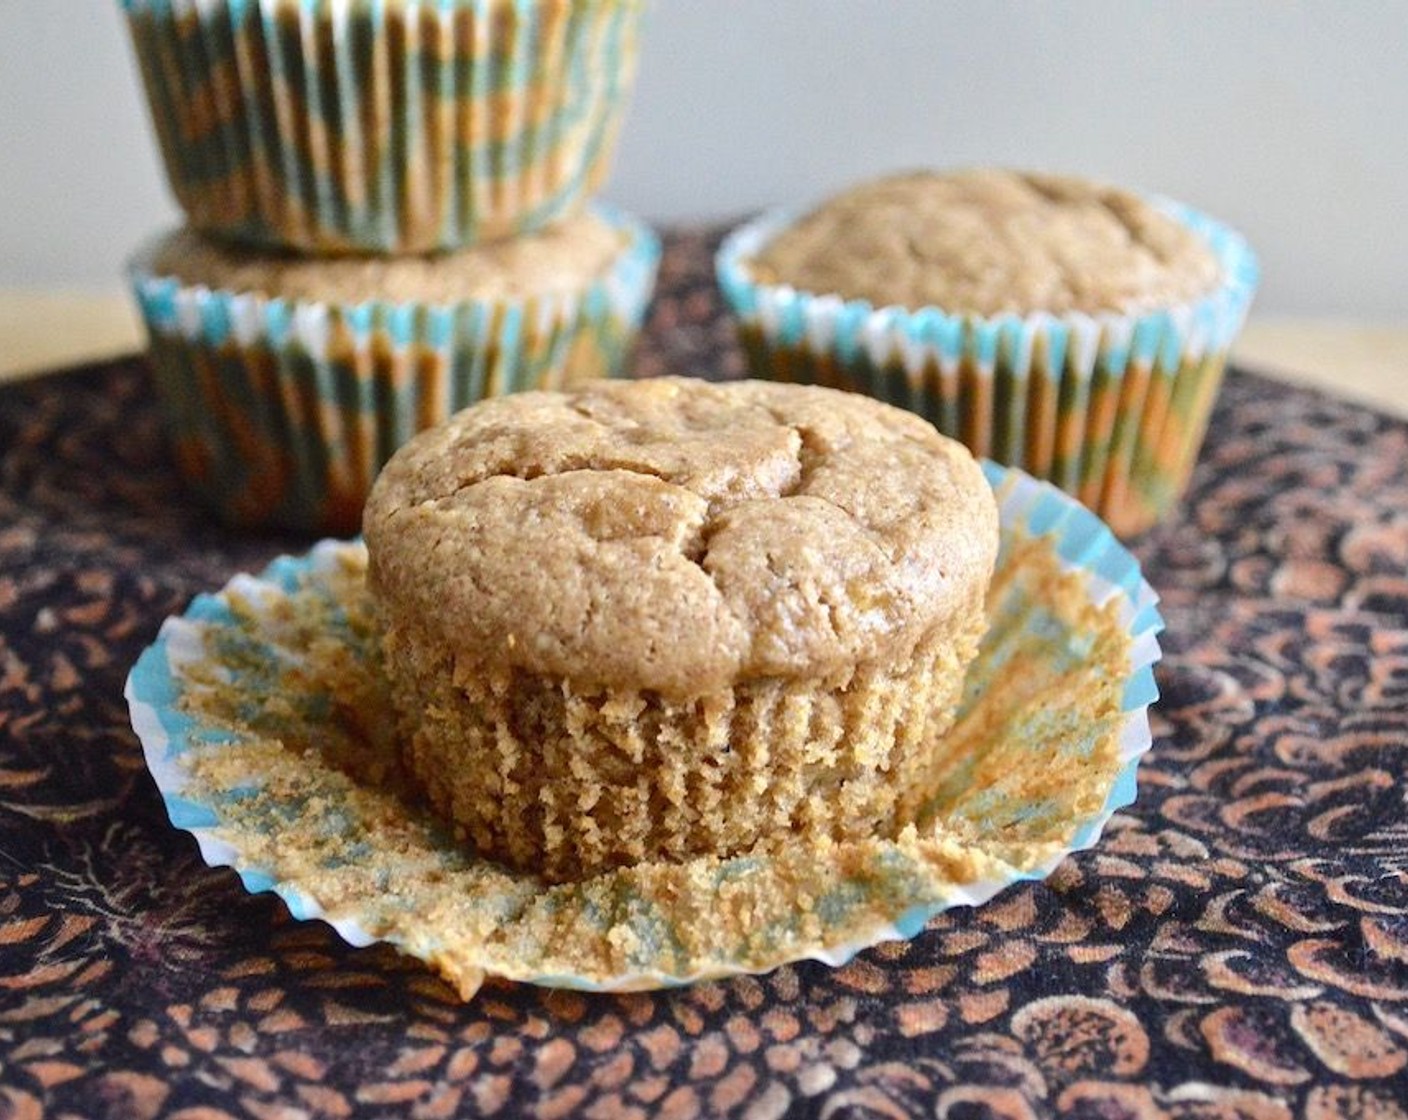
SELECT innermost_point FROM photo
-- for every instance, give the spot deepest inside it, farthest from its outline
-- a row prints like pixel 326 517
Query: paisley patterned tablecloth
pixel 1237 945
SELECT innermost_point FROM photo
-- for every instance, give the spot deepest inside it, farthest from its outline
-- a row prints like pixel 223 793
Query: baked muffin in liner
pixel 282 411
pixel 667 618
pixel 389 127
pixel 1110 407
pixel 258 713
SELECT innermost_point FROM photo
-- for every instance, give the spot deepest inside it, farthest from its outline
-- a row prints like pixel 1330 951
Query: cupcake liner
pixel 281 412
pixel 256 714
pixel 328 126
pixel 1111 408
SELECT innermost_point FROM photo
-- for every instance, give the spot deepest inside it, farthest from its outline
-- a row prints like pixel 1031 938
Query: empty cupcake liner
pixel 255 710
pixel 281 412
pixel 406 127
pixel 1111 408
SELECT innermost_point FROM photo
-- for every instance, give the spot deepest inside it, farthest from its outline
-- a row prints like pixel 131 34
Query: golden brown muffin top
pixel 564 257
pixel 680 536
pixel 990 241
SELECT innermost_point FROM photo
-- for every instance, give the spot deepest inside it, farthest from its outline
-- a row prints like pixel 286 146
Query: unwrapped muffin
pixel 662 619
pixel 391 127
pixel 1074 329
pixel 286 381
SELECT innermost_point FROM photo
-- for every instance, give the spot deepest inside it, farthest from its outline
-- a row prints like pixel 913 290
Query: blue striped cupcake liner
pixel 1111 408
pixel 281 412
pixel 401 126
pixel 481 920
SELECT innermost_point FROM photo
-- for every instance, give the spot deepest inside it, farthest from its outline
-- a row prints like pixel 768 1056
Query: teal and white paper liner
pixel 886 898
pixel 1110 408
pixel 401 126
pixel 281 412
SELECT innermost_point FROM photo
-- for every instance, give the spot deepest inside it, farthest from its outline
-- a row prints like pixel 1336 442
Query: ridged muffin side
pixel 547 776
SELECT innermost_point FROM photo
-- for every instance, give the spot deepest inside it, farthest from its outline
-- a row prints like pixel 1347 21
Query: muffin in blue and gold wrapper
pixel 391 127
pixel 287 381
pixel 1073 329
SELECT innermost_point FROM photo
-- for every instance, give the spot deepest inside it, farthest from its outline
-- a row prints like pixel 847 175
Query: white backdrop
pixel 1289 120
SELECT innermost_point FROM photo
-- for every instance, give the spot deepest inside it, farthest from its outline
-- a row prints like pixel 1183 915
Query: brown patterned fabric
pixel 1236 946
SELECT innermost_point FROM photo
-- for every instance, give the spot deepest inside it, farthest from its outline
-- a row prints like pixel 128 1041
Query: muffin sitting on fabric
pixel 287 381
pixel 664 619
pixel 1068 327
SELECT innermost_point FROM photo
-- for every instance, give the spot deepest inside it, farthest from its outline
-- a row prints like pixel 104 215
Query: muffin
pixel 1073 329
pixel 664 619
pixel 286 382
pixel 395 127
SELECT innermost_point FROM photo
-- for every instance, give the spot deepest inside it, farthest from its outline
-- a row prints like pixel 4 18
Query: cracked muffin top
pixel 990 241
pixel 679 536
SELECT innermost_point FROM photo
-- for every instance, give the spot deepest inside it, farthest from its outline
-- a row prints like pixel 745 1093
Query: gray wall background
pixel 1289 120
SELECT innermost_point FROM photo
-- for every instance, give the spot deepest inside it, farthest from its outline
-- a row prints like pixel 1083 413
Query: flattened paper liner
pixel 265 722
pixel 1112 408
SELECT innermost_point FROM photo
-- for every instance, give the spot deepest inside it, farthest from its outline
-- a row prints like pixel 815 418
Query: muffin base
pixel 384 128
pixel 566 782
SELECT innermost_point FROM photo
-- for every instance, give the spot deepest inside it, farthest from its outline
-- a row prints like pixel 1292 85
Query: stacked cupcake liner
pixel 331 126
pixel 1111 408
pixel 470 918
pixel 283 411
pixel 328 127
